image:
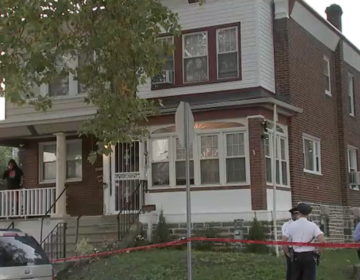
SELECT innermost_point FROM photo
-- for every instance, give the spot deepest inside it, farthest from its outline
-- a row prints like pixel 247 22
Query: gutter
pixel 255 101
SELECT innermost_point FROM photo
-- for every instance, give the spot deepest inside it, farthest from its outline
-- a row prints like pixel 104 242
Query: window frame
pixel 237 51
pixel 354 150
pixel 315 141
pixel 183 56
pixel 41 146
pixel 196 155
pixel 279 136
pixel 73 83
pixel 327 60
pixel 351 95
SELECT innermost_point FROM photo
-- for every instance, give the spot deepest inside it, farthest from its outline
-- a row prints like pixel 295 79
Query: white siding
pixel 217 12
pixel 61 108
pixel 266 46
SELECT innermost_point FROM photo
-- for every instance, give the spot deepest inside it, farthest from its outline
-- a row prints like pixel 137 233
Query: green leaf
pixel 35 34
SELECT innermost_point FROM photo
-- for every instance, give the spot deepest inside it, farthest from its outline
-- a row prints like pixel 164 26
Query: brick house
pixel 236 62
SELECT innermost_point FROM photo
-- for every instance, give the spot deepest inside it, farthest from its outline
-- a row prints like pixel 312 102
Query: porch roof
pixel 14 133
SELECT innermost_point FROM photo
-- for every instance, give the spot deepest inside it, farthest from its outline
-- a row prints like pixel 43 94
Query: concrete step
pixel 102 228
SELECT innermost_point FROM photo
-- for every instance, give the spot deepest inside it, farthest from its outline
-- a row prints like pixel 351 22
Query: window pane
pixel 267 145
pixel 180 152
pixel 195 45
pixel 160 149
pixel 59 85
pixel 268 170
pixel 49 153
pixel 83 60
pixel 209 146
pixel 235 170
pixel 74 151
pixel 282 149
pixel 209 171
pixel 196 69
pixel 227 40
pixel 309 155
pixel 235 144
pixel 327 82
pixel 284 175
pixel 74 169
pixel 278 172
pixel 228 65
pixel 49 171
pixel 160 174
pixel 325 67
pixel 180 173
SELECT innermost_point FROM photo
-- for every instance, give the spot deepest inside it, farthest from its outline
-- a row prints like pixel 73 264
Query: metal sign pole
pixel 188 196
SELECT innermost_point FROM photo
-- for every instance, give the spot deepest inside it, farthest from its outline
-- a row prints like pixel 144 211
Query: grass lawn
pixel 171 265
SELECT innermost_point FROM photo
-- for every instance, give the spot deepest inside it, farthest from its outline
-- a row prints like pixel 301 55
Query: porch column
pixel 106 183
pixel 60 174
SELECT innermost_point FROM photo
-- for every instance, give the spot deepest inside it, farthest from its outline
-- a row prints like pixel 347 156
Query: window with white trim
pixel 326 71
pixel 47 161
pixel 195 57
pixel 282 157
pixel 312 154
pixel 227 52
pixel 160 162
pixel 351 94
pixel 219 156
pixel 83 60
pixel 60 85
pixel 180 165
pixel 352 168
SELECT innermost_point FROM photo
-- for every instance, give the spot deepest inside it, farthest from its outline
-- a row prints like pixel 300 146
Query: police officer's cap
pixel 294 210
pixel 304 208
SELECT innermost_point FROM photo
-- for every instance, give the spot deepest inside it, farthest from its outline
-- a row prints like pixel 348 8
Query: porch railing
pixel 26 202
pixel 130 210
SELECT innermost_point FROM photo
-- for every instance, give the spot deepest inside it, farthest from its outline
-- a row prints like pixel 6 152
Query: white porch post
pixel 60 174
pixel 107 183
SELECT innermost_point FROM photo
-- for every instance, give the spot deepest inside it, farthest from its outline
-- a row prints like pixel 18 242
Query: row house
pixel 235 62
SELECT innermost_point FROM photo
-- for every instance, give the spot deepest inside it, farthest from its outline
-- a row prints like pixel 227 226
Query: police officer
pixel 294 214
pixel 304 231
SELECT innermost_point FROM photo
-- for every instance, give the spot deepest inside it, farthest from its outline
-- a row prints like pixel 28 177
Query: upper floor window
pixel 312 154
pixel 326 71
pixel 195 55
pixel 351 94
pixel 60 85
pixel 167 74
pixel 83 60
pixel 202 57
pixel 227 53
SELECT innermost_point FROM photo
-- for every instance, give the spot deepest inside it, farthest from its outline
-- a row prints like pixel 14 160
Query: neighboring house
pixel 235 60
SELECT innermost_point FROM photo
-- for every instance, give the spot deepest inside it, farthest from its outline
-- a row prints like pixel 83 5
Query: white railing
pixel 26 202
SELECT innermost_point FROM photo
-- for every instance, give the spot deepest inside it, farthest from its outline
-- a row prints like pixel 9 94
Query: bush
pixel 140 240
pixel 162 230
pixel 207 232
pixel 84 247
pixel 256 232
pixel 110 244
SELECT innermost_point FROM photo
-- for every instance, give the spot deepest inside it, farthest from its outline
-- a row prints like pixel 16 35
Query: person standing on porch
pixel 294 214
pixel 14 178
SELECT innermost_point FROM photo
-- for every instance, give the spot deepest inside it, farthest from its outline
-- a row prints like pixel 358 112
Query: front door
pixel 127 172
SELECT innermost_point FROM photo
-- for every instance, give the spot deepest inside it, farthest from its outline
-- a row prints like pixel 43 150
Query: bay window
pixel 218 156
pixel 281 156
pixel 47 161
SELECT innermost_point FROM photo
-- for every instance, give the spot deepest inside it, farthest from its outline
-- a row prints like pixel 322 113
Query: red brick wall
pixel 299 75
pixel 85 197
pixel 257 165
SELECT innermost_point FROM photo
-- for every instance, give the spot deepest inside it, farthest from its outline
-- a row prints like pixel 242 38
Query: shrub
pixel 84 247
pixel 110 244
pixel 140 240
pixel 162 230
pixel 256 232
pixel 207 232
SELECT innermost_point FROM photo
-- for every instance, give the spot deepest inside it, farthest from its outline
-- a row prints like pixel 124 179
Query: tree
pixel 5 156
pixel 39 39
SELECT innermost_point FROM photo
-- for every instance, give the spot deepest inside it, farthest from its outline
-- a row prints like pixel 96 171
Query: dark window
pixel 21 251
